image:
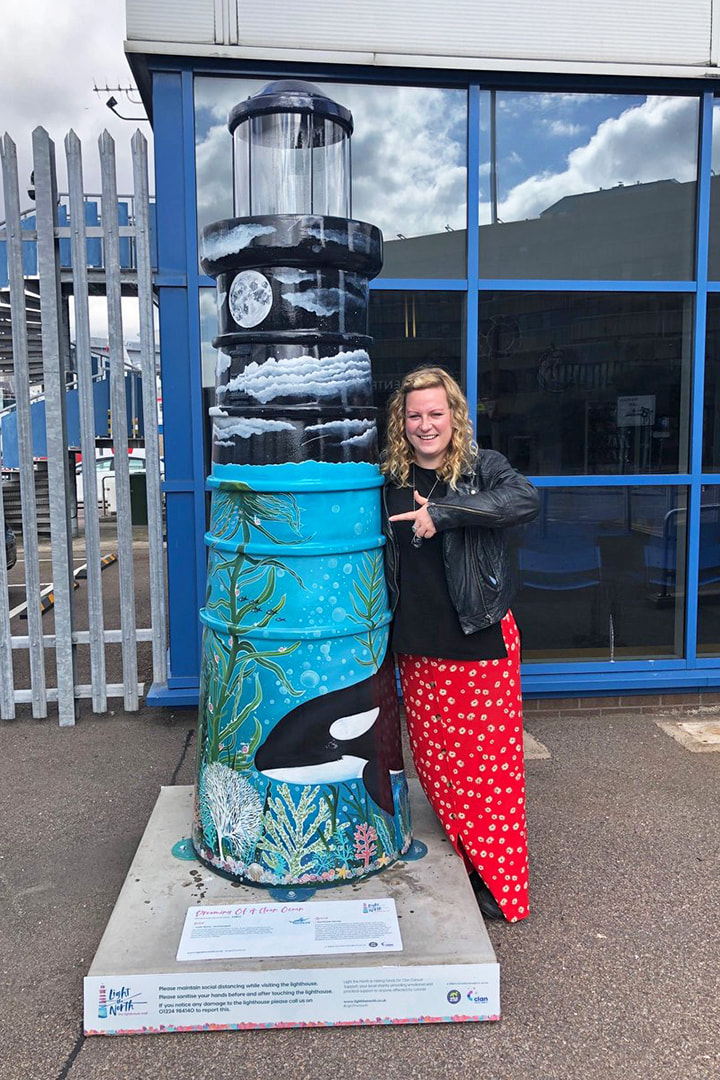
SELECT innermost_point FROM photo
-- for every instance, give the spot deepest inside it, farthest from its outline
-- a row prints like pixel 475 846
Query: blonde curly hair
pixel 398 455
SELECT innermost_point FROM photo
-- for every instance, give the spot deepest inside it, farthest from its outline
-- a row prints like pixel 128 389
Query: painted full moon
pixel 250 298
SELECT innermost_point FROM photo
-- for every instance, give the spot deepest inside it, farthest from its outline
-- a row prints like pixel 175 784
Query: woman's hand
pixel 422 522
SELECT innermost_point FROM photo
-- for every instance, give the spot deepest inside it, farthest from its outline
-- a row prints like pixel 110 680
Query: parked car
pixel 105 477
pixel 10 548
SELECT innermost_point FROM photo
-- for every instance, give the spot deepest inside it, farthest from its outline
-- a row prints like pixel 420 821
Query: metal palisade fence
pixel 67 639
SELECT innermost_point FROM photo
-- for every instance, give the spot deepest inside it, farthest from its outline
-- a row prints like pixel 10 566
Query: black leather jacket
pixel 472 520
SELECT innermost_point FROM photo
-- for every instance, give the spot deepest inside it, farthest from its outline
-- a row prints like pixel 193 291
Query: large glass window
pixel 207 298
pixel 410 329
pixel 214 99
pixel 572 383
pixel 711 418
pixel 409 167
pixel 714 247
pixel 208 331
pixel 601 574
pixel 572 187
pixel 596 186
pixel 708 636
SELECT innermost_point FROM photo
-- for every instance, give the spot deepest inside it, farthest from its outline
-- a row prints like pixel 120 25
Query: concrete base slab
pixel 446 973
pixel 700 736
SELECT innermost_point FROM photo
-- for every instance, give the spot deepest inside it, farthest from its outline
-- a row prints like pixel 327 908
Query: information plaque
pixel 312 997
pixel 320 928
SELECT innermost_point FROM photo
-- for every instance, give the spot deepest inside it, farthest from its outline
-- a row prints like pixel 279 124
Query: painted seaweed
pixel 365 846
pixel 237 508
pixel 403 819
pixel 342 846
pixel 230 811
pixel 230 669
pixel 294 833
pixel 368 603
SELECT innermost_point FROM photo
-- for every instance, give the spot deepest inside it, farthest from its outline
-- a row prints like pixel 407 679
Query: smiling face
pixel 428 425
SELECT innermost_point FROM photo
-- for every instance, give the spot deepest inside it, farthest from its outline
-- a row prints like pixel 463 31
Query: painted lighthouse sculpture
pixel 300 778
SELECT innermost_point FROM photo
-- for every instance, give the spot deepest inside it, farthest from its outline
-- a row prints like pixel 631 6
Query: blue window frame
pixel 681 551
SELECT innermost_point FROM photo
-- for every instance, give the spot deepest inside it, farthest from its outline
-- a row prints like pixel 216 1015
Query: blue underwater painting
pixel 300 775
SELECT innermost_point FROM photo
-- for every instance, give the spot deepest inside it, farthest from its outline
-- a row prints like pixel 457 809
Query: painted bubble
pixel 310 679
pixel 339 614
pixel 335 509
pixel 347 568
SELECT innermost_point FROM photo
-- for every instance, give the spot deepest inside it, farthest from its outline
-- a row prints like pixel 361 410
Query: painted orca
pixel 343 735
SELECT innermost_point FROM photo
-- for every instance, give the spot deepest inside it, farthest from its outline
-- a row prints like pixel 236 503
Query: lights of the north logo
pixel 454 996
pixel 117 1001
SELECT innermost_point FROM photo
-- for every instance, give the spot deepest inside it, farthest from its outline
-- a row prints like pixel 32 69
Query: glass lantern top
pixel 291 152
pixel 292 96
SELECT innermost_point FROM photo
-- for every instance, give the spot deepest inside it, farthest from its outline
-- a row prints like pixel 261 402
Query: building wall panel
pixel 602 31
pixel 185 21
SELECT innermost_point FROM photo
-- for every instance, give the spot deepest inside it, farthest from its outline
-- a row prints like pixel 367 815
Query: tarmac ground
pixel 615 974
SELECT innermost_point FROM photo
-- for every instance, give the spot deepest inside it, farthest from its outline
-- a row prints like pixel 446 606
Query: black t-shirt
pixel 426 623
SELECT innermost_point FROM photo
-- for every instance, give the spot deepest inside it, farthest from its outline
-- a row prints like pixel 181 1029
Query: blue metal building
pixel 546 187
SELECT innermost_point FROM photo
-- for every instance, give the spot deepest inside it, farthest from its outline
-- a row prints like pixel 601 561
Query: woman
pixel 457 644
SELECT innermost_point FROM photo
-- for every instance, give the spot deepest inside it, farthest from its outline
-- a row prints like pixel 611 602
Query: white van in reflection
pixel 105 477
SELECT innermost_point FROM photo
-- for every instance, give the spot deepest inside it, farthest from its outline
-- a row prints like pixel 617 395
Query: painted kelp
pixel 299 772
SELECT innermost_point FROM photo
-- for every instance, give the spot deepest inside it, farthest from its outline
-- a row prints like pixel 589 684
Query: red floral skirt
pixel 465 725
